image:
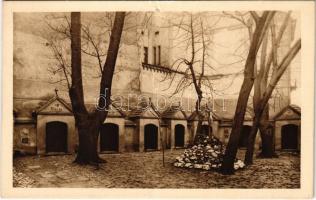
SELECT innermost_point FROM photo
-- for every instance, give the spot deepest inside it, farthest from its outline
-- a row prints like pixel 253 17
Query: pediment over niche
pixel 144 112
pixel 150 113
pixel 289 112
pixel 55 106
pixel 115 111
pixel 194 116
pixel 175 112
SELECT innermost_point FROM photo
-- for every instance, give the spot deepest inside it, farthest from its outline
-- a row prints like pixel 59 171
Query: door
pixel 109 137
pixel 289 137
pixel 56 137
pixel 151 137
pixel 179 135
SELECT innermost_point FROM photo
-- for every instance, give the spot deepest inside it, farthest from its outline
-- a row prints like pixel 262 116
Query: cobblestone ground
pixel 145 170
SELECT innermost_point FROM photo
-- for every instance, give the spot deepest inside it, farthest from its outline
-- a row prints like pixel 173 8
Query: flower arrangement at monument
pixel 206 154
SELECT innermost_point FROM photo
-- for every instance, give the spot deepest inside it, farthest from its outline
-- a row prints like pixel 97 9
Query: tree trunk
pixel 86 153
pixel 267 137
pixel 267 141
pixel 88 137
pixel 88 134
pixel 261 123
pixel 251 140
pixel 88 125
pixel 232 146
pixel 210 130
pixel 259 89
pixel 276 75
pixel 200 119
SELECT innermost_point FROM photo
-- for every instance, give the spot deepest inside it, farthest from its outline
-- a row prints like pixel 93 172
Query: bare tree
pixel 262 24
pixel 194 38
pixel 266 60
pixel 264 89
pixel 262 75
pixel 96 37
pixel 87 123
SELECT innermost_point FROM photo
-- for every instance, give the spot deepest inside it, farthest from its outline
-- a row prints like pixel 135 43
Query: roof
pixel 296 108
pixel 27 109
pixel 289 112
pixel 174 112
pixel 145 110
pixel 113 111
pixel 204 113
pixel 51 101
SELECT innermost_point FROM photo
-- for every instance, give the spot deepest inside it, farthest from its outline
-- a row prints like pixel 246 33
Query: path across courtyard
pixel 145 170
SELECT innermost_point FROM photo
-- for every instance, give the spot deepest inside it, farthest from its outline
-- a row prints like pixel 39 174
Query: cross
pixel 56 91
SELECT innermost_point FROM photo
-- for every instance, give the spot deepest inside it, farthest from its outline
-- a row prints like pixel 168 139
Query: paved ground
pixel 145 170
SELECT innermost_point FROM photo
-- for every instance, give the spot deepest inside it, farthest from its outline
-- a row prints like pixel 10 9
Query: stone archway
pixel 56 137
pixel 289 137
pixel 151 137
pixel 109 137
pixel 179 135
pixel 243 140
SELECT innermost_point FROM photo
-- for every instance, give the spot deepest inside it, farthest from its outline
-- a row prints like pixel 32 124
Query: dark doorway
pixel 109 137
pixel 245 131
pixel 151 137
pixel 289 137
pixel 179 135
pixel 56 137
pixel 205 129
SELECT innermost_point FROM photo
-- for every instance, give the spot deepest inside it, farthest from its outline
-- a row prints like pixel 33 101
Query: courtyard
pixel 145 170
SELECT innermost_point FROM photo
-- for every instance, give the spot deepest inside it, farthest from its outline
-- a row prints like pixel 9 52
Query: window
pixel 146 55
pixel 159 54
pixel 154 53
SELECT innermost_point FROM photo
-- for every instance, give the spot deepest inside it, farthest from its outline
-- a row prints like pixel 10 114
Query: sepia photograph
pixel 159 99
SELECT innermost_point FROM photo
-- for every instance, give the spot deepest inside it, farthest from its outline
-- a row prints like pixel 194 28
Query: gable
pixel 179 115
pixel 194 116
pixel 114 112
pixel 55 106
pixel 149 113
pixel 174 114
pixel 288 113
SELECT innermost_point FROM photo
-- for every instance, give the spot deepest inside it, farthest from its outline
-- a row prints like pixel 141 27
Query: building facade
pixel 139 119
